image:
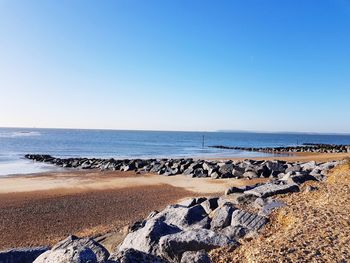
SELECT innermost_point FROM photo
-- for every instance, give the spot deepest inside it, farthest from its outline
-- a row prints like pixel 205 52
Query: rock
pixel 182 217
pixel 173 246
pixel 270 189
pixel 214 175
pixel 147 238
pixel 250 175
pixel 195 257
pixel 237 173
pixel 188 202
pixel 222 217
pixel 226 170
pixel 293 168
pixel 252 222
pixel 21 255
pixel 210 204
pixel 300 178
pixel 277 166
pixel 74 249
pixel 309 166
pixel 234 189
pixel 310 188
pixel 134 256
pixel 234 232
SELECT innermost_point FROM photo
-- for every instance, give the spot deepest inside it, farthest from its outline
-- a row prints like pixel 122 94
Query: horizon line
pixel 204 131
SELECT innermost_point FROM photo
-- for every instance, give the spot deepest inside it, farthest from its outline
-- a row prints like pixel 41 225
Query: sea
pixel 122 144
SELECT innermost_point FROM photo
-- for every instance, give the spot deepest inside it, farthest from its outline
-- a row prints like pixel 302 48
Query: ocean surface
pixel 16 142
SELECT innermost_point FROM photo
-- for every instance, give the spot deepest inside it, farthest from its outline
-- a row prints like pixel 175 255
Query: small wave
pixel 19 134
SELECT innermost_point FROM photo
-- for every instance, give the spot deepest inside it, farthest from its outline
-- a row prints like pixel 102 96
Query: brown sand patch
pixel 45 217
pixel 314 227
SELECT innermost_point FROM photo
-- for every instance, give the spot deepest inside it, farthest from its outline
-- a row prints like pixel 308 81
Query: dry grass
pixel 314 227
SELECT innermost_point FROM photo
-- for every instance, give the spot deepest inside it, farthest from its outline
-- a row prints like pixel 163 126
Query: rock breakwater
pixel 248 169
pixel 307 148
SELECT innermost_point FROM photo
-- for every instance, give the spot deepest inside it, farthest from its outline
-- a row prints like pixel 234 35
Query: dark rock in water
pixel 134 256
pixel 222 217
pixel 172 247
pixel 270 189
pixel 195 257
pixel 147 238
pixel 252 222
pixel 21 255
pixel 74 249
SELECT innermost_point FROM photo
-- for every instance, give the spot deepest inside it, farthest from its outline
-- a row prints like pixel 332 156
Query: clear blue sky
pixel 176 65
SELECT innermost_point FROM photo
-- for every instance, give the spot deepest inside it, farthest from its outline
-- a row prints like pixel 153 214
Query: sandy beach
pixel 44 208
pixel 41 209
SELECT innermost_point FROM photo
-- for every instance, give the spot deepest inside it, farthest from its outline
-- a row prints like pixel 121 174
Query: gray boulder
pixel 172 247
pixel 74 249
pixel 250 175
pixel 21 255
pixel 270 189
pixel 234 189
pixel 222 217
pixel 210 204
pixel 250 221
pixel 234 232
pixel 182 217
pixel 133 256
pixel 226 170
pixel 146 239
pixel 195 257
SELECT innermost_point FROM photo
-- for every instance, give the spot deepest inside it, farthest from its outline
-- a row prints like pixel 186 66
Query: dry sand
pixel 43 209
pixel 314 227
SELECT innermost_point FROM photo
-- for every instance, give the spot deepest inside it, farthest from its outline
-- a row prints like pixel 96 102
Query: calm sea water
pixel 14 143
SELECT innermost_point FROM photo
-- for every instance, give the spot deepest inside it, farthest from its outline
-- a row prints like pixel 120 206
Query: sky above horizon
pixel 176 65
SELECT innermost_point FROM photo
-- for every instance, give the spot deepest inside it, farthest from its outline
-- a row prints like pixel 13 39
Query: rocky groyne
pixel 187 231
pixel 305 148
pixel 248 169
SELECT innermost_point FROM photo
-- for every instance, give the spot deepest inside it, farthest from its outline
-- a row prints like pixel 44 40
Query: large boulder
pixel 226 169
pixel 222 217
pixel 146 239
pixel 172 247
pixel 181 216
pixel 195 257
pixel 234 232
pixel 74 249
pixel 21 255
pixel 250 221
pixel 270 189
pixel 133 256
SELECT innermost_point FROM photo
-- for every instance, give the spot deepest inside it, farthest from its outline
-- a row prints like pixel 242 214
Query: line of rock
pixel 307 147
pixel 249 169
